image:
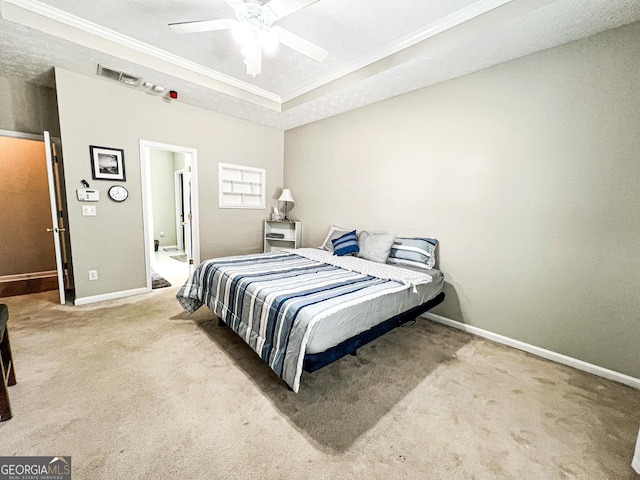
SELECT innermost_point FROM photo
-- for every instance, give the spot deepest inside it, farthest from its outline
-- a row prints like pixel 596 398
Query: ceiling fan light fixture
pixel 269 40
pixel 254 65
pixel 242 33
pixel 253 29
pixel 251 49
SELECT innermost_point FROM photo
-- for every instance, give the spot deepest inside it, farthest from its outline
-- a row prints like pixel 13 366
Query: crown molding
pixel 64 18
pixel 60 17
pixel 445 23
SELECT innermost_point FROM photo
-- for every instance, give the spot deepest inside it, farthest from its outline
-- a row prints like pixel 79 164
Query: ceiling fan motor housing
pixel 255 15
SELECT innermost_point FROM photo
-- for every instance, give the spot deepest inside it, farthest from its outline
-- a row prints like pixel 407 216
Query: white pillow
pixel 334 232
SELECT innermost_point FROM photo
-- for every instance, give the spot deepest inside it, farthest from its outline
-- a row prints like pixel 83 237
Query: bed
pixel 303 309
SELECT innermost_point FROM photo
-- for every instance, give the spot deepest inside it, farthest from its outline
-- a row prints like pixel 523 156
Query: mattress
pixel 276 301
pixel 356 319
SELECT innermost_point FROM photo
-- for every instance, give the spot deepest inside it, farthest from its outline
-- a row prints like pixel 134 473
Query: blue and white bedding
pixel 274 300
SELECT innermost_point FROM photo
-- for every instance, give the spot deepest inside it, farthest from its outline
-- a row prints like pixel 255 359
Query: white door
pixel 55 218
pixel 188 211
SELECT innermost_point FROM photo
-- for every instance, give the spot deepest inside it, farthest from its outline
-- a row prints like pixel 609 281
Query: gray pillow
pixel 334 233
pixel 375 246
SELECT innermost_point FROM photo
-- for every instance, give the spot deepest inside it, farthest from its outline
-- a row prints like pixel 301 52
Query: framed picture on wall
pixel 107 163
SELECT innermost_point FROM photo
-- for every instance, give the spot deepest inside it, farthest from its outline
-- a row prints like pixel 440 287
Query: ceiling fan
pixel 253 28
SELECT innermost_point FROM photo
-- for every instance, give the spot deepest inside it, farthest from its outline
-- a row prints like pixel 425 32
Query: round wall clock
pixel 118 193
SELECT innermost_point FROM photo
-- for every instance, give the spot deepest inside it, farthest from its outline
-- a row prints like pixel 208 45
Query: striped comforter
pixel 273 300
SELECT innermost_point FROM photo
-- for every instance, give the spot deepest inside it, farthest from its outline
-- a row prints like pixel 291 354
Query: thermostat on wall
pixel 88 195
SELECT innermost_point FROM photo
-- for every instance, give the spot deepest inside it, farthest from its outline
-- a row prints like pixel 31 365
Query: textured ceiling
pixel 377 49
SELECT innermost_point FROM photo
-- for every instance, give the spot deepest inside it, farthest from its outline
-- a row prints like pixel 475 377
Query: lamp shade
pixel 286 196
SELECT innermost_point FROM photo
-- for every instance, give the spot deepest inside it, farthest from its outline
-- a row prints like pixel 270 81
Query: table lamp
pixel 286 198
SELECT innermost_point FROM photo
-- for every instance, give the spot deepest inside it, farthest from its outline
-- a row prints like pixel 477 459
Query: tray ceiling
pixel 377 49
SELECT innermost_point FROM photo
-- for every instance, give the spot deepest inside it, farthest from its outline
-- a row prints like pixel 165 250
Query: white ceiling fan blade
pixel 301 45
pixel 202 26
pixel 282 8
pixel 235 3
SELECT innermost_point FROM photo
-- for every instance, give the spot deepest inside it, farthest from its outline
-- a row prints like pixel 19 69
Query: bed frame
pixel 316 361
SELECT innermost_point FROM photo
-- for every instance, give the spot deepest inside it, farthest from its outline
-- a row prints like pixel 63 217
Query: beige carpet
pixel 134 388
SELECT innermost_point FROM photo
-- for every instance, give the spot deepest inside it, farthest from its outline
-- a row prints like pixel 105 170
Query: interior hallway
pixel 174 270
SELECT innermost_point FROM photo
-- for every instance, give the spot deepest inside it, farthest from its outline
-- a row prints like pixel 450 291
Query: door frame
pixel 58 195
pixel 191 173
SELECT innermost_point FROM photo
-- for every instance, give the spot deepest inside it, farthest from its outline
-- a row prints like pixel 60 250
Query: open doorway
pixel 170 210
pixel 30 181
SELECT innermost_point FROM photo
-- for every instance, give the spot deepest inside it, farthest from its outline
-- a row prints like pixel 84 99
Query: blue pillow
pixel 347 244
pixel 413 252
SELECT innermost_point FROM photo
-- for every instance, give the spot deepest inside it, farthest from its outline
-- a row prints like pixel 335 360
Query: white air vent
pixel 118 76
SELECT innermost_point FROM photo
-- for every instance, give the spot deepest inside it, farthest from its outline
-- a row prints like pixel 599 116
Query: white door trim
pixel 191 160
pixel 179 200
pixel 55 225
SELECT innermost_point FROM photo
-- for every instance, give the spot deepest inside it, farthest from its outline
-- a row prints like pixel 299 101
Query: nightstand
pixel 282 234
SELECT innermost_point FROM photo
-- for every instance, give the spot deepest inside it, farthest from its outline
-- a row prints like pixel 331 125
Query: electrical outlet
pixel 93 274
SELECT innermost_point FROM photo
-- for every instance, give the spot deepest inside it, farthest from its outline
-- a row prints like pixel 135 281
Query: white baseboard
pixel 540 352
pixel 27 276
pixel 110 296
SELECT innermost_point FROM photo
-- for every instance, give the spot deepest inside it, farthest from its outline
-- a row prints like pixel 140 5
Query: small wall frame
pixel 107 163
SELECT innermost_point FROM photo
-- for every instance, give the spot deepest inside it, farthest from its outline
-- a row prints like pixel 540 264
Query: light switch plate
pixel 89 210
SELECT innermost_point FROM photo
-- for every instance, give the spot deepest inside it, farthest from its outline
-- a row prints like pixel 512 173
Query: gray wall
pixel 163 195
pixel 98 112
pixel 28 108
pixel 528 173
